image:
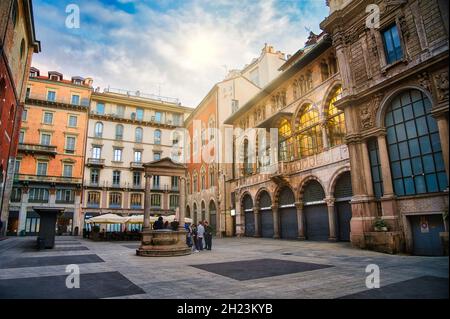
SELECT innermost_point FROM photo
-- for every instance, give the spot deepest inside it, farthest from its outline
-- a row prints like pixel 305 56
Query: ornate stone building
pixel 299 187
pixel 395 99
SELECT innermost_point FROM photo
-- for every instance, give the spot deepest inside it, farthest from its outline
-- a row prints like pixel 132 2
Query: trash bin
pixel 40 243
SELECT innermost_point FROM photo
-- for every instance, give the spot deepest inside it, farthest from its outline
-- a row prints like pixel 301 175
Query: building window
pixel 67 170
pixel 42 168
pixel 137 178
pixel 309 133
pixel 203 179
pixel 75 99
pixel 335 120
pixel 16 195
pixel 38 195
pixel 93 199
pixel 17 166
pixel 156 181
pixel 21 136
pixel 117 155
pixel 414 146
pixel 375 167
pixel 64 196
pixel 173 201
pixel 73 119
pixel 158 117
pixel 139 114
pixel 48 118
pixel 188 185
pixel 211 177
pixel 96 152
pixel 70 144
pixel 157 137
pixel 138 134
pixel 51 96
pixel 155 200
pixel 115 200
pixel 45 138
pixel 174 182
pixel 286 145
pixel 121 111
pixel 119 132
pixel 177 119
pixel 195 183
pixel 15 13
pixel 136 201
pixel 95 176
pixel 254 76
pixel 156 156
pixel 100 108
pixel 234 105
pixel 24 115
pixel 138 156
pixel 116 178
pixel 392 44
pixel 98 129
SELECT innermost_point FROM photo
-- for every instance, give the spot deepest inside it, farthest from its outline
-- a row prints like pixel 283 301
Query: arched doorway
pixel 194 218
pixel 247 206
pixel 343 194
pixel 316 212
pixel 265 208
pixel 188 212
pixel 203 215
pixel 212 216
pixel 288 214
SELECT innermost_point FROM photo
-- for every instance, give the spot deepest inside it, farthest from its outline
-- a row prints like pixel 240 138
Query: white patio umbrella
pixel 170 218
pixel 107 219
pixel 139 219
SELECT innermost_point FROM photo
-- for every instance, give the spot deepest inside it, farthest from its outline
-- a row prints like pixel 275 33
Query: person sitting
pixel 159 224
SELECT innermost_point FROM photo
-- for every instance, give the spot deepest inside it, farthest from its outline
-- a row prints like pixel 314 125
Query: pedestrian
pixel 194 238
pixel 188 235
pixel 166 225
pixel 200 234
pixel 208 235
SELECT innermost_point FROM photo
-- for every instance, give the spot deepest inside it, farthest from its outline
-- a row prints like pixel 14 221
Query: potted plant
pixel 380 225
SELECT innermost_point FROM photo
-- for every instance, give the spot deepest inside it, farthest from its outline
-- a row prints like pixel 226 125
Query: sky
pixel 178 48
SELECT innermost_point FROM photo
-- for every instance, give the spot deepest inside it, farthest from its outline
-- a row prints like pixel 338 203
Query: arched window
pixel 414 146
pixel 286 147
pixel 98 129
pixel 119 131
pixel 138 134
pixel 188 184
pixel 203 178
pixel 195 182
pixel 248 169
pixel 211 128
pixel 212 179
pixel 309 133
pixel 157 137
pixel 335 120
pixel 22 49
pixel 15 12
pixel 324 70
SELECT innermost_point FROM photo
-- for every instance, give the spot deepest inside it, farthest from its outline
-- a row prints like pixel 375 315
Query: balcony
pixel 48 179
pixel 97 162
pixel 67 100
pixel 37 149
pixel 136 166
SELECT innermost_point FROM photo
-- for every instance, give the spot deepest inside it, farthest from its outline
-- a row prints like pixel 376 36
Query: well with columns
pixel 164 243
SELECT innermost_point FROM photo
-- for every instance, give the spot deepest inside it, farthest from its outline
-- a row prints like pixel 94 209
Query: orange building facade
pixel 50 160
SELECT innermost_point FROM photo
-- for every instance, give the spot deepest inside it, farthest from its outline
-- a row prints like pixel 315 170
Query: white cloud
pixel 182 49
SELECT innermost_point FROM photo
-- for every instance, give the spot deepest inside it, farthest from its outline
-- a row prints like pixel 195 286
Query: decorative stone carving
pixel 424 81
pixel 404 26
pixel 368 111
pixel 441 82
pixel 366 117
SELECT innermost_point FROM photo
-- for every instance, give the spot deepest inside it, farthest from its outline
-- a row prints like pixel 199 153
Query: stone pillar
pixel 331 219
pixel 257 218
pixel 367 170
pixel 388 189
pixel 23 210
pixel 77 213
pixel 240 222
pixel 276 222
pixel 301 227
pixel 326 143
pixel 182 201
pixel 52 196
pixel 442 122
pixel 147 204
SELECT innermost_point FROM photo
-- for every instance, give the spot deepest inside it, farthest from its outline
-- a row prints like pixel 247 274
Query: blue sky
pixel 178 48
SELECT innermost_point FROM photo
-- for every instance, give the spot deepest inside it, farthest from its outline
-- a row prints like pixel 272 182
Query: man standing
pixel 208 235
pixel 200 235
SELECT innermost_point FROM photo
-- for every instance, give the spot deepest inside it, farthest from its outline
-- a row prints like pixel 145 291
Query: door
pixel 426 240
pixel 316 220
pixel 249 224
pixel 266 223
pixel 344 215
pixel 288 223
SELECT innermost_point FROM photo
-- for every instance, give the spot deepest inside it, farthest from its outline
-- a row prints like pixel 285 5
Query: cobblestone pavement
pixel 343 272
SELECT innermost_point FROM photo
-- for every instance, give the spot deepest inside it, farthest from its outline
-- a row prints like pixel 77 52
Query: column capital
pixel 330 201
pixel 147 175
pixel 299 205
pixel 274 207
pixel 256 210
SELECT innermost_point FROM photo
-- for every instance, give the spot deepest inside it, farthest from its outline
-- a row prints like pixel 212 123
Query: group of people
pixel 199 237
pixel 160 224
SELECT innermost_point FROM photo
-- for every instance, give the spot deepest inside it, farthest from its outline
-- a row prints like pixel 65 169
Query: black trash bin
pixel 40 243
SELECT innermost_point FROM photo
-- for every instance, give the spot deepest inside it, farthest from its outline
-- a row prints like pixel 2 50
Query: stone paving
pixel 314 270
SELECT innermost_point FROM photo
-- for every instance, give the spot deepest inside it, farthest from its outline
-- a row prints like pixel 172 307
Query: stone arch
pixel 188 211
pixel 203 209
pixel 328 94
pixel 258 196
pixel 241 200
pixel 305 181
pixel 386 101
pixel 280 187
pixel 334 178
pixel 300 106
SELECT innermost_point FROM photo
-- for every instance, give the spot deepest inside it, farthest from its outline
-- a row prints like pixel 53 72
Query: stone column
pixel 367 170
pixel 326 143
pixel 23 210
pixel 442 123
pixel 77 213
pixel 301 227
pixel 388 189
pixel 147 204
pixel 276 222
pixel 257 218
pixel 331 218
pixel 182 202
